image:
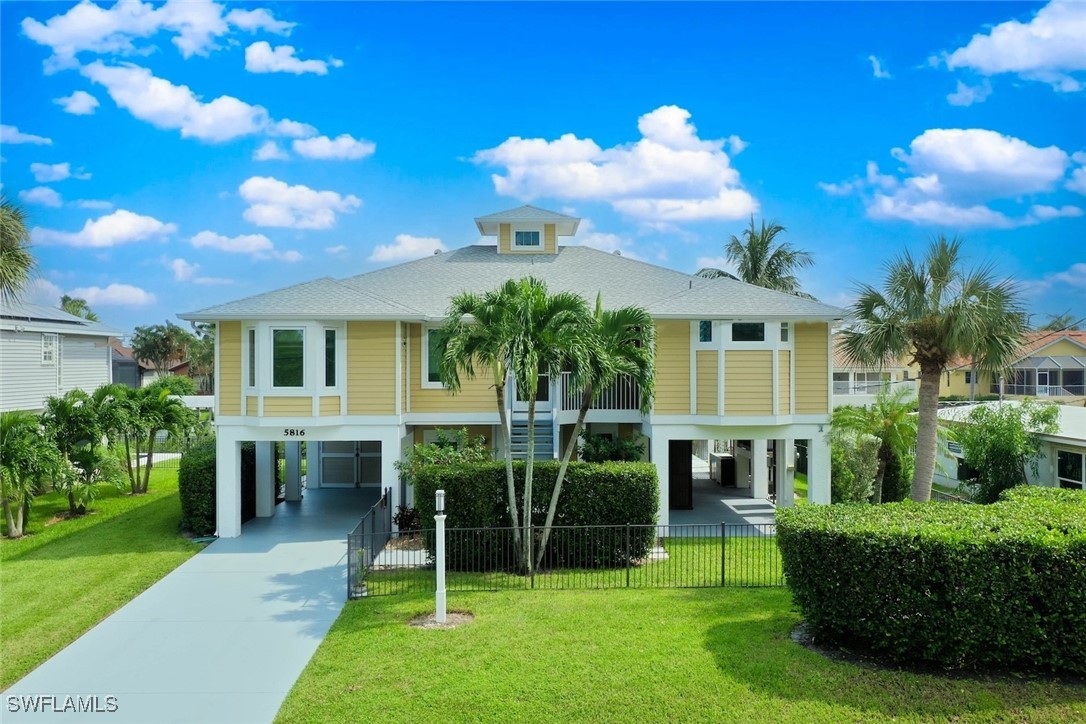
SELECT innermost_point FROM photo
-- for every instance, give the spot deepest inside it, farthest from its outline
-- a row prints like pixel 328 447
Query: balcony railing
pixel 624 394
pixel 1041 390
pixel 842 387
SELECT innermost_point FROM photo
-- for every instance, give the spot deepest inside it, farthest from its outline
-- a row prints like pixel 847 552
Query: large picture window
pixel 288 358
pixel 436 341
pixel 748 332
pixel 1071 469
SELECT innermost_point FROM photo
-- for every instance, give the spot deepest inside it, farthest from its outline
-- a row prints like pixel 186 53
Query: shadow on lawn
pixel 756 648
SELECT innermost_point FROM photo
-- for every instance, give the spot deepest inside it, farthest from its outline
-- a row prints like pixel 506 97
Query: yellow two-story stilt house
pixel 349 367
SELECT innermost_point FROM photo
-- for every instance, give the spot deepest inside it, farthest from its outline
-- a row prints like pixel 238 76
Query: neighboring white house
pixel 1063 453
pixel 46 352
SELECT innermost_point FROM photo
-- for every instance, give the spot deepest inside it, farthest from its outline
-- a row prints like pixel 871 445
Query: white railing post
pixel 439 615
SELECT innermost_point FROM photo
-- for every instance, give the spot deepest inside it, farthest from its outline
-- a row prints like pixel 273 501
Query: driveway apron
pixel 222 638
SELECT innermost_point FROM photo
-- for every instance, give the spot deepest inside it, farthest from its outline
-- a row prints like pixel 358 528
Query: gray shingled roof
pixel 421 290
pixel 564 225
pixel 51 319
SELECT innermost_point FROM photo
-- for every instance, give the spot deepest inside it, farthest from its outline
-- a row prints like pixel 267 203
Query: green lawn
pixel 62 578
pixel 626 655
pixel 801 488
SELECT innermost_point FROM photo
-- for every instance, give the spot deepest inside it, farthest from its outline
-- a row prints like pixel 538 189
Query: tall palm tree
pixel 890 419
pixel 78 307
pixel 17 264
pixel 1065 322
pixel 935 311
pixel 761 261
pixel 621 342
pixel 26 457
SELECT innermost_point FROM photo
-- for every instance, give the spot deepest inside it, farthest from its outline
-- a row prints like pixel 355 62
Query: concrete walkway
pixel 224 636
pixel 714 504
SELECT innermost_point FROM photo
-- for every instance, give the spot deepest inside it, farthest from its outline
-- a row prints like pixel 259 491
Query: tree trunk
pixel 586 404
pixel 926 434
pixel 128 463
pixel 528 466
pixel 884 458
pixel 503 416
pixel 15 527
pixel 147 465
pixel 135 478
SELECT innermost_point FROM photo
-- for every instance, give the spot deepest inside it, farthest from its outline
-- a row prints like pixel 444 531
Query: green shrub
pixel 196 487
pixel 897 480
pixel 1002 585
pixel 854 463
pixel 605 449
pixel 594 494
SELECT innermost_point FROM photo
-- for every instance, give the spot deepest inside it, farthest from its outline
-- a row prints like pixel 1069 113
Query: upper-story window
pixel 329 358
pixel 251 345
pixel 526 238
pixel 288 358
pixel 748 332
pixel 705 331
pixel 434 349
pixel 49 350
pixel 784 331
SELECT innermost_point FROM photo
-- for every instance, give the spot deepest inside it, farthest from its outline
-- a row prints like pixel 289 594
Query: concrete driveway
pixel 223 637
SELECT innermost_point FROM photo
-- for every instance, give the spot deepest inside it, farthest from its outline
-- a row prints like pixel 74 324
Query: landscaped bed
pixel 67 575
pixel 630 655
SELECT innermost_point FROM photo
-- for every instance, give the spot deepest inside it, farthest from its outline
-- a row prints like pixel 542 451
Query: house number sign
pixel 294 431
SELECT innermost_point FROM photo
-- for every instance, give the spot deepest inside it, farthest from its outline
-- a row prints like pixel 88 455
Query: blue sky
pixel 177 155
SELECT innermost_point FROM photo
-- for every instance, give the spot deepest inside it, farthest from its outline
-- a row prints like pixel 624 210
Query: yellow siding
pixel 288 407
pixel 475 395
pixel 812 369
pixel 330 405
pixel 505 239
pixel 404 406
pixel 371 368
pixel 707 382
pixel 550 239
pixel 748 382
pixel 1063 348
pixel 672 368
pixel 784 380
pixel 953 383
pixel 229 381
pixel 252 406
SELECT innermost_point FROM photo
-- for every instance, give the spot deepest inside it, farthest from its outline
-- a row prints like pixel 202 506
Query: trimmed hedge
pixel 960 586
pixel 196 487
pixel 594 494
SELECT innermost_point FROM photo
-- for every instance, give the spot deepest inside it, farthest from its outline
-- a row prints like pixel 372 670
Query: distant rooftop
pixel 564 225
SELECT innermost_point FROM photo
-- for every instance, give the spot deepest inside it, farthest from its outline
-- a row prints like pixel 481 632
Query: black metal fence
pixel 576 557
pixel 366 543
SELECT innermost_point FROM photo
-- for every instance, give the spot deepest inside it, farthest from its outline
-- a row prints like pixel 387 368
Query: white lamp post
pixel 439 616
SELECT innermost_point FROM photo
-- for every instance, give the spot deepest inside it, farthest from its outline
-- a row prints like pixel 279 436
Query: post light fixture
pixel 440 502
pixel 439 520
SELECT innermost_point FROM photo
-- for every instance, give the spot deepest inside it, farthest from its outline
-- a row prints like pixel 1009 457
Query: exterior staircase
pixel 544 440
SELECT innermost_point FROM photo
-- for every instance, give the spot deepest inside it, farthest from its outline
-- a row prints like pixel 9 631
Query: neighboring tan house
pixel 1050 365
pixel 350 366
pixel 45 352
pixel 1062 460
pixel 859 385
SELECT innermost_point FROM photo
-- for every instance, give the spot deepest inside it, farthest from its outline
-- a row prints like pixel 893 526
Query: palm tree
pixel 17 264
pixel 890 419
pixel 71 421
pixel 934 311
pixel 1065 322
pixel 26 457
pixel 621 342
pixel 78 307
pixel 761 263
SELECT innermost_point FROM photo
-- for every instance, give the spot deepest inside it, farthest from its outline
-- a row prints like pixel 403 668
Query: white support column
pixel 294 471
pixel 818 470
pixel 312 464
pixel 227 485
pixel 786 473
pixel 658 448
pixel 265 480
pixel 390 476
pixel 759 472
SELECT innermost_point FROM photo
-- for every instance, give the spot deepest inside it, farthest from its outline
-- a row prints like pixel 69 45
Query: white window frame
pixel 50 349
pixel 340 369
pixel 695 335
pixel 249 360
pixel 425 366
pixel 530 230
pixel 1059 480
pixel 271 357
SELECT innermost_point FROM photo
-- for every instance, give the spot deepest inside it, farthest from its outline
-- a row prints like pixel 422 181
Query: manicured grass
pixel 63 578
pixel 626 655
pixel 801 488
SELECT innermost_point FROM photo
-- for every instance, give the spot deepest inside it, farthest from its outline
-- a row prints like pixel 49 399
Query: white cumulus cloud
pixel 275 203
pixel 406 247
pixel 185 271
pixel 120 227
pixel 41 195
pixel 337 250
pixel 79 103
pixel 670 174
pixel 243 244
pixel 588 235
pixel 12 135
pixel 261 57
pixel 269 151
pixel 258 19
pixel 341 148
pixel 1050 48
pixel 95 204
pixel 876 68
pixel 47 173
pixel 967 95
pixel 114 295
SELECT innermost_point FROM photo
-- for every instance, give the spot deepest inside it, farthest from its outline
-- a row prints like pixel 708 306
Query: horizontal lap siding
pixel 252 405
pixel 812 369
pixel 24 381
pixel 475 395
pixel 84 363
pixel 707 382
pixel 329 405
pixel 229 379
pixel 784 383
pixel 371 368
pixel 748 382
pixel 672 368
pixel 288 407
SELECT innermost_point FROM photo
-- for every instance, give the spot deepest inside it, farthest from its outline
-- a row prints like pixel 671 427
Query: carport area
pixel 713 504
pixel 223 637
